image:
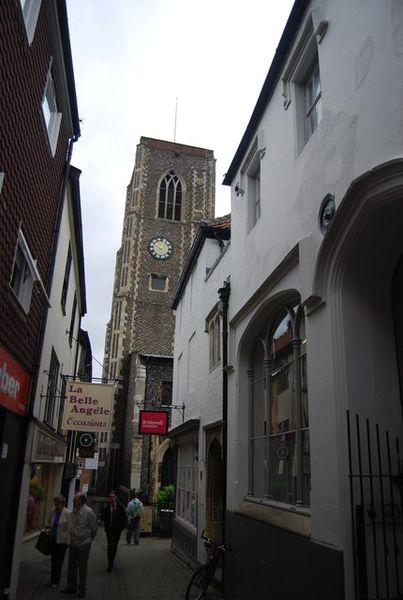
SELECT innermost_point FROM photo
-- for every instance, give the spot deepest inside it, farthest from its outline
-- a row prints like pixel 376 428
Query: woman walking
pixel 60 538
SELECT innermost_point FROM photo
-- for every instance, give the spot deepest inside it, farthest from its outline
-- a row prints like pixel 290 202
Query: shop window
pixel 186 502
pixel 37 496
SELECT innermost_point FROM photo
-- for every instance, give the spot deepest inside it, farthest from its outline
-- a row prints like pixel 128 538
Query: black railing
pixel 376 496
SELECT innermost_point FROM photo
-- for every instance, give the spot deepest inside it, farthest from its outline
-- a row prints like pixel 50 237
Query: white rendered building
pixel 313 502
pixel 196 433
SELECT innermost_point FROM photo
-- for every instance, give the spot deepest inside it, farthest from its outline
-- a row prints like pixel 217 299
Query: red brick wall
pixel 33 178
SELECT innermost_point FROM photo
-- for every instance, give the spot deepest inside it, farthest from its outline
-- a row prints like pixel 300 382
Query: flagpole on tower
pixel 176 114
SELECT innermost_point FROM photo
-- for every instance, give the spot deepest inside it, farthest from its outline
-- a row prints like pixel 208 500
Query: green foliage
pixel 166 495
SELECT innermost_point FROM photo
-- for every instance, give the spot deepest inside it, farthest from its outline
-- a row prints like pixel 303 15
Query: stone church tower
pixel 171 190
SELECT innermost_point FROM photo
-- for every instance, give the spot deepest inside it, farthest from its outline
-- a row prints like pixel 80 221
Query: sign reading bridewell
pixel 88 406
pixel 153 421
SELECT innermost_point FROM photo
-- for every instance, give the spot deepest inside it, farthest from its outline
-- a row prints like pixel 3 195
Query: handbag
pixel 43 543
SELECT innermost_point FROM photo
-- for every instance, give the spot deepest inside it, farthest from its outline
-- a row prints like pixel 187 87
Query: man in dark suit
pixel 114 518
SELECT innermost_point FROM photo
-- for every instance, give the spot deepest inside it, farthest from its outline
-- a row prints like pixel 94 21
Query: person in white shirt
pixel 83 530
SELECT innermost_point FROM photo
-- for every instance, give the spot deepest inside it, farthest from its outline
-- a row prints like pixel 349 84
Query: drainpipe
pixel 224 294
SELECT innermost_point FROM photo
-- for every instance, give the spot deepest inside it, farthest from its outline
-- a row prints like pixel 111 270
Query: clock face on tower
pixel 160 248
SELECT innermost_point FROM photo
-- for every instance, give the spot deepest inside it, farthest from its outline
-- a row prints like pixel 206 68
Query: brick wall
pixel 32 185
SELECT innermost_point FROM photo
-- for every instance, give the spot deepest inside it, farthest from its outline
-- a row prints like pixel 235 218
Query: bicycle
pixel 204 575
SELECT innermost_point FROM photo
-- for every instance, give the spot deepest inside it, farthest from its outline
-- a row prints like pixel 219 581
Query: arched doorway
pixel 167 468
pixel 215 492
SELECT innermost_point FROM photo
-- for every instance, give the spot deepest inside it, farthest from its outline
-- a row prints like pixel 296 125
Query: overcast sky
pixel 132 60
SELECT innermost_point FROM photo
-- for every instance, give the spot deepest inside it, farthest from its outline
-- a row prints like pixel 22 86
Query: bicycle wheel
pixel 198 583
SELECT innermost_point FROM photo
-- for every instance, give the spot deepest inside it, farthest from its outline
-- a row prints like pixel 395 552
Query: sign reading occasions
pixel 153 421
pixel 88 406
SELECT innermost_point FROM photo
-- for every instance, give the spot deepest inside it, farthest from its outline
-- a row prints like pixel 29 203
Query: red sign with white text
pixel 14 384
pixel 153 422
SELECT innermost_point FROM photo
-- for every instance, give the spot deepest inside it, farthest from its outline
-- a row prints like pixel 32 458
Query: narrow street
pixel 145 572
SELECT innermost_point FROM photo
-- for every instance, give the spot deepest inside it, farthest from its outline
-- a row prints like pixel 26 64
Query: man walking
pixel 83 530
pixel 134 511
pixel 114 518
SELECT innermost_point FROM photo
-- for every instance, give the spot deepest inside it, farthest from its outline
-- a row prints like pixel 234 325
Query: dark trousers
pixel 133 530
pixel 57 553
pixel 113 541
pixel 78 560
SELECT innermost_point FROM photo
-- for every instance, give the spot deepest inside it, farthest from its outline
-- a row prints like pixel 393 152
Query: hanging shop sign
pixel 153 422
pixel 14 384
pixel 88 406
pixel 46 448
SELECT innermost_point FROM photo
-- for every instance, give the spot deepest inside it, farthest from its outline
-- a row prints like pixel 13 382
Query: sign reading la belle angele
pixel 88 407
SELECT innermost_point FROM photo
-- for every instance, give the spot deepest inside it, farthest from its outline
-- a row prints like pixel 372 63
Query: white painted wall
pixel 361 69
pixel 194 384
pixel 58 324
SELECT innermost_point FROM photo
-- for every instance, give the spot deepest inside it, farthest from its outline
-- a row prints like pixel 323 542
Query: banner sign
pixel 88 406
pixel 153 422
pixel 14 384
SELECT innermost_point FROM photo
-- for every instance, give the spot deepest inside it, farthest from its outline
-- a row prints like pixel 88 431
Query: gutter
pixel 224 294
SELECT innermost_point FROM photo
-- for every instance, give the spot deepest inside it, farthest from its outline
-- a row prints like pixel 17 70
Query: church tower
pixel 171 190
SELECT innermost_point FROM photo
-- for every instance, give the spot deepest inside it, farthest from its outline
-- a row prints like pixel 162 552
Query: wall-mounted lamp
pixel 239 191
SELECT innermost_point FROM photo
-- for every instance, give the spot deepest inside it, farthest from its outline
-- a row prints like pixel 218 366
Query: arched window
pixel 279 426
pixel 170 198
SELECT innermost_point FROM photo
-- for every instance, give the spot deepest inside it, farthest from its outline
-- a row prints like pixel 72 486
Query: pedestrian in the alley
pixel 114 518
pixel 134 511
pixel 60 537
pixel 83 530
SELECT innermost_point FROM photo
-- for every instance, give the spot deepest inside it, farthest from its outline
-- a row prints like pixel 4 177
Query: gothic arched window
pixel 170 198
pixel 279 426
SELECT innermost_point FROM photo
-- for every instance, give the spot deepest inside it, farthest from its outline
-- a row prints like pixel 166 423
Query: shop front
pixel 45 471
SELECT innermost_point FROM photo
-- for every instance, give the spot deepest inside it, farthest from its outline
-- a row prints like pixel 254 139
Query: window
pixel 279 425
pixel 50 113
pixel 158 283
pixel 24 274
pixel 301 80
pixel 51 394
pixel 66 280
pixel 30 12
pixel 186 499
pixel 214 331
pixel 251 180
pixel 254 191
pixel 22 279
pixel 72 320
pixel 170 198
pixel 313 101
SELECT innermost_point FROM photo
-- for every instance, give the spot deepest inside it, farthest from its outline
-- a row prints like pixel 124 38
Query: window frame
pixel 170 197
pixel 51 391
pixel 52 117
pixel 66 279
pixel 187 487
pixel 313 105
pixel 163 278
pixel 303 62
pixel 30 13
pixel 28 264
pixel 288 446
